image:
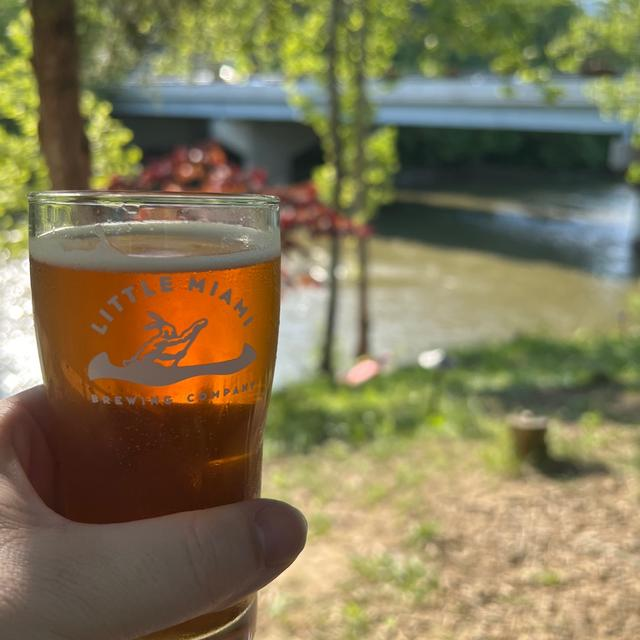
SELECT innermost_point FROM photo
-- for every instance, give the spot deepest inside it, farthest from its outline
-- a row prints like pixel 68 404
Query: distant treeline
pixel 445 148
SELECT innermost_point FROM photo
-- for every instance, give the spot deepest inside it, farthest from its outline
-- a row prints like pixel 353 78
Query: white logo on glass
pixel 157 362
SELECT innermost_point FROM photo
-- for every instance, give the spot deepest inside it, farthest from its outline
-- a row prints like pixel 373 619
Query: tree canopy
pixel 22 168
pixel 609 40
pixel 238 37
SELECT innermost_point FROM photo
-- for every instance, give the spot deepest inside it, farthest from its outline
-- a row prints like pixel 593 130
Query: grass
pixel 422 534
pixel 356 620
pixel 577 381
pixel 319 524
pixel 423 523
pixel 547 578
pixel 407 575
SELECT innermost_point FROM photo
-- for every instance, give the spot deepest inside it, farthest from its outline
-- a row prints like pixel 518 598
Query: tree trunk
pixel 327 363
pixel 363 297
pixel 335 120
pixel 55 63
pixel 361 125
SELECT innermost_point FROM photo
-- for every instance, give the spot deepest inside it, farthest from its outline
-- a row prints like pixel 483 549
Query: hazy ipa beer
pixel 157 341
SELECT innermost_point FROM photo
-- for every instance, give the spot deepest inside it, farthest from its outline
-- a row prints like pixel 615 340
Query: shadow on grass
pixel 565 379
pixel 613 401
pixel 563 468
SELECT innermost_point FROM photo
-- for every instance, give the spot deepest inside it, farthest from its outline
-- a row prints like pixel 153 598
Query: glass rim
pixel 150 198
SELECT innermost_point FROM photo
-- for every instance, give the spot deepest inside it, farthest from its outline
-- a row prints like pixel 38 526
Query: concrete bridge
pixel 257 120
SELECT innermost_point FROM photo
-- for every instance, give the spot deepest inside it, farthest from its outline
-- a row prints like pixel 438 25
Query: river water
pixel 449 267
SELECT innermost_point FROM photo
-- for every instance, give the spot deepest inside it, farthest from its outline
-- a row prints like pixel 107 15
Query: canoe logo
pixel 157 361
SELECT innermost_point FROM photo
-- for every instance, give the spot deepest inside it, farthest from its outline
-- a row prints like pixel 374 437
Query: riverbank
pixel 423 525
pixel 443 274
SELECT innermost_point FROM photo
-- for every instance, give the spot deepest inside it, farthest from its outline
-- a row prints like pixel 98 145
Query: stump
pixel 529 433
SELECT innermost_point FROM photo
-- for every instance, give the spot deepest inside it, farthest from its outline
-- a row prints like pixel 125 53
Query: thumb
pixel 127 580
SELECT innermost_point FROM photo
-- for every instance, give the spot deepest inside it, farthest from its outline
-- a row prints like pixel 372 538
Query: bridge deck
pixel 467 103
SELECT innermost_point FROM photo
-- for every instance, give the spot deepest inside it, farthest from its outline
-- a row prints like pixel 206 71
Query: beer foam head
pixel 155 246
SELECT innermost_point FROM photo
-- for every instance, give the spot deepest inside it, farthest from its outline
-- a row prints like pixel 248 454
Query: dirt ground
pixel 435 539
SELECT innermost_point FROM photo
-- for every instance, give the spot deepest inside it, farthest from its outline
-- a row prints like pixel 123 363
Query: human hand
pixel 61 580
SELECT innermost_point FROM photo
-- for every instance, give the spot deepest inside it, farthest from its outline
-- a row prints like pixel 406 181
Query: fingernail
pixel 282 531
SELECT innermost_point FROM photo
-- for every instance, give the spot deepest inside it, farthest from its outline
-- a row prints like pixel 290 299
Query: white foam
pixel 168 246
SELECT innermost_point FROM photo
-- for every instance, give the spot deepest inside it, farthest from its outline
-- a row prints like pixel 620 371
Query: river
pixel 448 267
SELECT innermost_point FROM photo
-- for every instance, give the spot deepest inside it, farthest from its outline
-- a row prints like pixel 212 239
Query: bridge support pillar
pixel 620 153
pixel 267 145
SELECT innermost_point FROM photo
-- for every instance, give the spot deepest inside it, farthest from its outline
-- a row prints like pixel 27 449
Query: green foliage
pixel 204 34
pixel 371 43
pixel 621 99
pixel 381 165
pixel 111 150
pixel 608 41
pixel 22 168
pixel 509 36
pixel 118 38
pixel 437 36
pixel 436 148
pixel 291 37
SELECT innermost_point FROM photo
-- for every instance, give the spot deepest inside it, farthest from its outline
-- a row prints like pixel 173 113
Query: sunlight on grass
pixel 498 454
pixel 356 621
pixel 547 578
pixel 422 534
pixel 319 524
pixel 397 486
pixel 376 493
pixel 406 574
pixel 541 374
pixel 281 604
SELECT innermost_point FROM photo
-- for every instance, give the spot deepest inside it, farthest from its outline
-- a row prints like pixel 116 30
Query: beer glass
pixel 156 316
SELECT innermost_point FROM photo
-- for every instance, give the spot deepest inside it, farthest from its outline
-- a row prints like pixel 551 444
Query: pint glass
pixel 157 318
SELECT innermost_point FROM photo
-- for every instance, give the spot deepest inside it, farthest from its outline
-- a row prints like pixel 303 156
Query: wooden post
pixel 529 433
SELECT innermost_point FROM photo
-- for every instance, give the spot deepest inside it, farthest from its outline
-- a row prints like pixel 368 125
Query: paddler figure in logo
pixel 156 362
pixel 167 345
